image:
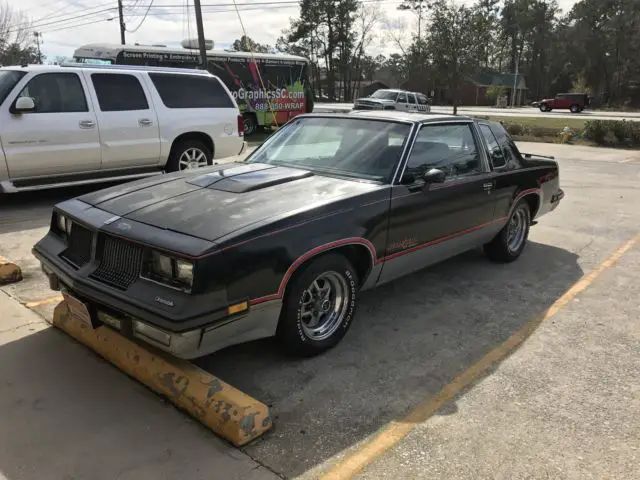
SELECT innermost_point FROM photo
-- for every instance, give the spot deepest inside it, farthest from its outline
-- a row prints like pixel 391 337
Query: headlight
pixel 161 265
pixel 184 272
pixel 173 272
pixel 63 224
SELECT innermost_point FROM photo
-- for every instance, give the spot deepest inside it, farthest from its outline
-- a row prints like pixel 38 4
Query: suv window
pixel 412 98
pixel 190 91
pixel 451 148
pixel 118 92
pixel 496 155
pixel 56 93
pixel 402 98
pixel 422 99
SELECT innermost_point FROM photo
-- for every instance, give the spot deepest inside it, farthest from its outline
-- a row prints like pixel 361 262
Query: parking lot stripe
pixel 45 301
pixel 393 433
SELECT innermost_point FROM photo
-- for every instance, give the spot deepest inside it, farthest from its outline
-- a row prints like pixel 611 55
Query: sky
pixel 66 24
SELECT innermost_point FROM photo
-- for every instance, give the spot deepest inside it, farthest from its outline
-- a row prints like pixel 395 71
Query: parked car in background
pixel 393 99
pixel 283 243
pixel 575 102
pixel 74 124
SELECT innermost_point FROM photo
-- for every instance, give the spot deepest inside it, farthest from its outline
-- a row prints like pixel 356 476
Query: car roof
pixel 111 68
pixel 396 115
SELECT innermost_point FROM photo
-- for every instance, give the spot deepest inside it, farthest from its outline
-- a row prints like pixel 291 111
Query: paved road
pixel 562 406
pixel 506 112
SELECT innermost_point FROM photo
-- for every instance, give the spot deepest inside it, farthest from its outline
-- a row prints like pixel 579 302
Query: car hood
pixel 213 202
pixel 374 100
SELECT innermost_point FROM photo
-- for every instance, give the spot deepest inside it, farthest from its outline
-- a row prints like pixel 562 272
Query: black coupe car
pixel 283 242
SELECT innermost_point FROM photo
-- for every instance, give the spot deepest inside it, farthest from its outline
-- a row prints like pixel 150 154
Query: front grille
pixel 78 250
pixel 120 262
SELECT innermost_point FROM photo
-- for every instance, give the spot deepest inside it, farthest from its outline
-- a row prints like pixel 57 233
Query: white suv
pixel 73 124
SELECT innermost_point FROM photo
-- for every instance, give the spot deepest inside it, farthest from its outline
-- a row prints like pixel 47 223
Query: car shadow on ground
pixel 409 339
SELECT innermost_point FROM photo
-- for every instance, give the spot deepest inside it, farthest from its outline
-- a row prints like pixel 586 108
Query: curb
pixel 225 410
pixel 9 272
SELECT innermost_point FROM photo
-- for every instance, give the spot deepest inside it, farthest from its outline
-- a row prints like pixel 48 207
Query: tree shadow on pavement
pixel 409 339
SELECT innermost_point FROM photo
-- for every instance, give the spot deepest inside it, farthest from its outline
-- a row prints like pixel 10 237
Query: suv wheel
pixel 544 108
pixel 189 155
pixel 575 108
pixel 250 124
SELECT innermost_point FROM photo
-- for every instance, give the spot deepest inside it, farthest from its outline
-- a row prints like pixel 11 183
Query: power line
pixel 143 18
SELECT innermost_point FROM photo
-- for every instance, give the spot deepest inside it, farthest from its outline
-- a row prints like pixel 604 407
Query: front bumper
pixel 187 338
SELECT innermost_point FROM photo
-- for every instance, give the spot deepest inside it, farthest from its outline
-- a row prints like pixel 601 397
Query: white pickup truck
pixel 64 125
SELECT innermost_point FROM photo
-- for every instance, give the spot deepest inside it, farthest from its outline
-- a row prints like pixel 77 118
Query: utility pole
pixel 515 83
pixel 121 16
pixel 200 28
pixel 38 36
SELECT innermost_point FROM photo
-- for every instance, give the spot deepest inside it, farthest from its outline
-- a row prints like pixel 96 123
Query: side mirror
pixel 24 104
pixel 434 175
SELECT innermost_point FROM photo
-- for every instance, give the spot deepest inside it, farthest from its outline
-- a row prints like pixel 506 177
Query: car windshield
pixel 384 95
pixel 8 80
pixel 351 147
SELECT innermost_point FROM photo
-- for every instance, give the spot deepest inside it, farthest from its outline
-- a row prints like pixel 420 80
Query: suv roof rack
pixel 133 67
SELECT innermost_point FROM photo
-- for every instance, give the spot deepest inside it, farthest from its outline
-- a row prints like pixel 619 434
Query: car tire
pixel 311 324
pixel 193 151
pixel 250 124
pixel 575 108
pixel 509 243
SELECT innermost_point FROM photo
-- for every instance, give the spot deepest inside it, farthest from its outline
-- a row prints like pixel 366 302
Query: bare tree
pixel 16 39
pixel 367 17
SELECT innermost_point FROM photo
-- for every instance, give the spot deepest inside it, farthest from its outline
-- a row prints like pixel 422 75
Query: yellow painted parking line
pixel 45 301
pixel 393 433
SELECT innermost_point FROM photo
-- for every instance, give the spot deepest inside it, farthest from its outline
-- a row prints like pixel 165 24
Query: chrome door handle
pixel 488 185
pixel 87 123
pixel 145 122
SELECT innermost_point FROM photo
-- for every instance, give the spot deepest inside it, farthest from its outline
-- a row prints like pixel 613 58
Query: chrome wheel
pixel 324 305
pixel 192 158
pixel 517 229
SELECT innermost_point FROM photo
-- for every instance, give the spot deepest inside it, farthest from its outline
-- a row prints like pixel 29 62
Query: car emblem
pixel 164 301
pixel 124 226
pixel 111 220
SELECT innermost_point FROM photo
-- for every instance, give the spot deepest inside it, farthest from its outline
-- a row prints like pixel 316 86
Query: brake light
pixel 240 126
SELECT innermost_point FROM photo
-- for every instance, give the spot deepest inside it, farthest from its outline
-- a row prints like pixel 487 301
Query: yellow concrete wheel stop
pixel 9 272
pixel 230 413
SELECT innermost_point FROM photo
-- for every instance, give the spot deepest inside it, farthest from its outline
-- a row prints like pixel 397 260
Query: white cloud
pixel 60 21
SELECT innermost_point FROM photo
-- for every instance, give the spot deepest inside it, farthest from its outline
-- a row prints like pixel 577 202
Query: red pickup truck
pixel 575 102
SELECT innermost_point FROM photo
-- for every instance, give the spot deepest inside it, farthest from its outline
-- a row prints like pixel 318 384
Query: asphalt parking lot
pixel 563 405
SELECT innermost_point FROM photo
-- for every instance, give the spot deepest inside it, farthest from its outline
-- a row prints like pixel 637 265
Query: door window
pixel 497 157
pixel 451 148
pixel 190 91
pixel 402 98
pixel 118 92
pixel 412 99
pixel 56 93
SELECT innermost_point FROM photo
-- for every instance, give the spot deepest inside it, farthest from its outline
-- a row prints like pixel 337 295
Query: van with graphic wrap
pixel 269 88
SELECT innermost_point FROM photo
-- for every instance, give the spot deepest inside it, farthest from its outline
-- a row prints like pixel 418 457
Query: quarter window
pixel 497 157
pixel 119 92
pixel 451 148
pixel 56 93
pixel 422 99
pixel 191 91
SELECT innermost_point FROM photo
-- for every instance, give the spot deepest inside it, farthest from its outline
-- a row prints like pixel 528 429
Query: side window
pixel 422 99
pixel 496 154
pixel 402 98
pixel 56 93
pixel 119 92
pixel 190 91
pixel 512 157
pixel 412 99
pixel 451 148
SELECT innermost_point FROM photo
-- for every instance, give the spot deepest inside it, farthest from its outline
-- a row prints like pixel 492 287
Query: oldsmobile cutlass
pixel 282 243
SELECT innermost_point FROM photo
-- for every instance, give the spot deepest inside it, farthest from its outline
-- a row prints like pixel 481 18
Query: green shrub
pixel 596 131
